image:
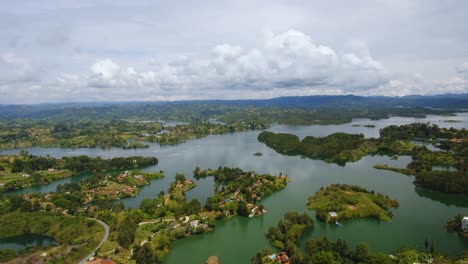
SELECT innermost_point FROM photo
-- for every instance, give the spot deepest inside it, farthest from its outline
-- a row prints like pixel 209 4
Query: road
pixel 104 239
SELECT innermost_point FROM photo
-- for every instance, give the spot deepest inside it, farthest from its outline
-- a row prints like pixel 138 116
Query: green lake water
pixel 421 214
pixel 25 241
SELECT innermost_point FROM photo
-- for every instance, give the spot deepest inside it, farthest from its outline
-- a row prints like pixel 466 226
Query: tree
pixel 209 204
pixel 242 209
pixel 325 257
pixel 362 253
pixel 127 231
pixel 180 177
pixel 145 254
pixel 148 205
pixel 261 208
pixel 193 207
pixel 196 172
pixel 257 259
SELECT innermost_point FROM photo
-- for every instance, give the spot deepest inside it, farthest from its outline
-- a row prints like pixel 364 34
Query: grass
pixel 350 202
pixel 77 232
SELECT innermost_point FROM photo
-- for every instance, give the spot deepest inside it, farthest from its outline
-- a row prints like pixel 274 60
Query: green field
pixel 350 202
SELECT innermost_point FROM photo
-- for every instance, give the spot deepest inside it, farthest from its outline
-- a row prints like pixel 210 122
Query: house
pixel 194 223
pixel 25 175
pixel 51 170
pixel 188 181
pixel 464 224
pixel 333 214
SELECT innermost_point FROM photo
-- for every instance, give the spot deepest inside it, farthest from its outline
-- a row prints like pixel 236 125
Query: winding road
pixel 106 236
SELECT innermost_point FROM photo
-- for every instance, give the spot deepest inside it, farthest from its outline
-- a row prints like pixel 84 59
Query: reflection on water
pixel 447 199
pixel 26 241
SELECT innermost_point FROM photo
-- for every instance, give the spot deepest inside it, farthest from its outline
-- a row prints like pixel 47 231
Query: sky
pixel 99 50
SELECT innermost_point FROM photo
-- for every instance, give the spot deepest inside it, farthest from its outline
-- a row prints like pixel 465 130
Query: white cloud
pixel 20 68
pixel 289 60
pixel 287 63
pixel 106 69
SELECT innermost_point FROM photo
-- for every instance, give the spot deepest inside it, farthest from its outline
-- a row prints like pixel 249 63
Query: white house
pixel 464 224
pixel 333 214
pixel 194 223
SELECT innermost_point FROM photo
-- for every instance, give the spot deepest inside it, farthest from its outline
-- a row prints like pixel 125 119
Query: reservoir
pixel 422 214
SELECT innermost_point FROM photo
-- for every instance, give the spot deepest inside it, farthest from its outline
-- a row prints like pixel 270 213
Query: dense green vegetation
pixel 19 171
pixel 237 192
pixel 394 140
pixel 106 134
pixel 286 235
pixel 180 133
pixel 289 230
pixel 454 152
pixel 77 235
pixel 304 109
pixel 338 147
pixel 149 230
pixel 349 202
pixel 76 133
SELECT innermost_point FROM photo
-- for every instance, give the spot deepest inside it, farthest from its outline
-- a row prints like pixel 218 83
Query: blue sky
pixel 59 51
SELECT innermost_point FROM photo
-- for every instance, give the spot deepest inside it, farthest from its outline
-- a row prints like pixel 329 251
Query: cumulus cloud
pixel 289 60
pixel 287 63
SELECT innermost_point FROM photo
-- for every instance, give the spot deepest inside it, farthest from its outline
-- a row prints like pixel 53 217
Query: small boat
pixel 338 223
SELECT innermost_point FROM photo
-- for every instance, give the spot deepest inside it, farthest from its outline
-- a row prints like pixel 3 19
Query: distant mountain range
pixel 445 101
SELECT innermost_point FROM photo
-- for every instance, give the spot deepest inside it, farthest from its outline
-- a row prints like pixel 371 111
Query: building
pixel 464 224
pixel 194 223
pixel 333 214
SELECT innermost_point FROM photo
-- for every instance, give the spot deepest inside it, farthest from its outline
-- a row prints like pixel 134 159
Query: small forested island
pixel 343 202
pixel 24 170
pixel 258 154
pixel 285 237
pixel 337 148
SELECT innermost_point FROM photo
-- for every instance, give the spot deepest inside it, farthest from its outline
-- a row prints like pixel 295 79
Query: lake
pixel 26 241
pixel 422 214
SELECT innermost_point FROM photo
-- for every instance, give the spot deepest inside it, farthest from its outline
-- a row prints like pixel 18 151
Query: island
pixel 335 148
pixel 344 202
pixel 24 170
pixel 394 140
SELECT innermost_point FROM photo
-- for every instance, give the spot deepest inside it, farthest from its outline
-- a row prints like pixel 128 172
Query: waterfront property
pixel 464 224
